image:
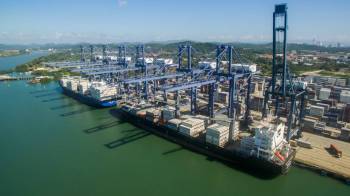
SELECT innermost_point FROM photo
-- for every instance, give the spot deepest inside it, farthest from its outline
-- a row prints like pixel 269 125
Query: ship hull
pixel 88 100
pixel 236 159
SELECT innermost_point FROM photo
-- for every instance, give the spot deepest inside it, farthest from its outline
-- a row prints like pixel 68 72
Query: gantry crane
pixel 210 77
pixel 122 56
pixel 284 87
pixel 226 52
pixel 82 54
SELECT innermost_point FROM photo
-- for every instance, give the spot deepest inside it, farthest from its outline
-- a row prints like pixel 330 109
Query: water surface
pixel 11 61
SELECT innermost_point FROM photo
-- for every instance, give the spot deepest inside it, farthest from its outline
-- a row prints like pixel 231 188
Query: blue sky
pixel 105 21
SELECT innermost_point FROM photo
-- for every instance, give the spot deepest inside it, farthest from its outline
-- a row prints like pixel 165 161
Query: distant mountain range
pixel 171 45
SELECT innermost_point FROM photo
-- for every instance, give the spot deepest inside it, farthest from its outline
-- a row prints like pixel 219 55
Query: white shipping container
pixel 174 124
pixel 192 127
pixel 193 132
pixel 162 61
pixel 63 82
pixel 147 60
pixel 83 86
pixel 316 111
pixel 72 85
pixel 324 93
pixel 217 134
pixel 244 67
pixel 192 122
pixel 345 97
pixel 168 113
pixel 206 65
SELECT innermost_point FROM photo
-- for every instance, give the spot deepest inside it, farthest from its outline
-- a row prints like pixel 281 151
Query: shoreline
pixel 4 53
pixel 322 171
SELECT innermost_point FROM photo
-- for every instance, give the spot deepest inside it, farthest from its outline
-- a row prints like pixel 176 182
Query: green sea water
pixel 52 145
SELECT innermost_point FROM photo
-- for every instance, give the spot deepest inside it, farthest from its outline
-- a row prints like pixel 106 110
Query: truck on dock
pixel 335 151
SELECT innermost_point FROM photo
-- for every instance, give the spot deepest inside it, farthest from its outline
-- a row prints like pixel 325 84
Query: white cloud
pixel 122 3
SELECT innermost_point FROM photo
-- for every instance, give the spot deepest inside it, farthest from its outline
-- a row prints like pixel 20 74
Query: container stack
pixel 324 93
pixel 192 127
pixel 317 111
pixel 152 115
pixel 235 132
pixel 83 86
pixel 247 144
pixel 345 97
pixel 168 113
pixel 324 105
pixel 217 135
pixel 185 100
pixel 346 116
pixel 320 127
pixel 101 91
pixel 309 124
pixel 72 85
pixel 222 97
pixel 345 132
pixel 173 124
pixel 63 82
pixel 340 82
pixel 224 88
pixel 204 118
pixel 162 61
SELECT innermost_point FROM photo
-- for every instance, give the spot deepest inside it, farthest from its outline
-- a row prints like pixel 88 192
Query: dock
pixel 319 159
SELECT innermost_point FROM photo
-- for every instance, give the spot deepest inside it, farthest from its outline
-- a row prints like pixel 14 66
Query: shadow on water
pixel 78 112
pixel 106 118
pixel 173 151
pixel 130 130
pixel 54 99
pixel 63 106
pixel 102 127
pixel 46 95
pixel 42 91
pixel 127 139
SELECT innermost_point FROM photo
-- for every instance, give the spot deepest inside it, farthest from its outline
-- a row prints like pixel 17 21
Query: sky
pixel 108 21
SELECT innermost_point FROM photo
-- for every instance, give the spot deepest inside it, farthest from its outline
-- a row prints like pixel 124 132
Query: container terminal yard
pixel 223 108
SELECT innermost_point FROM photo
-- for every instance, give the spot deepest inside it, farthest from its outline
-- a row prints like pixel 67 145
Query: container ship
pixel 95 94
pixel 263 150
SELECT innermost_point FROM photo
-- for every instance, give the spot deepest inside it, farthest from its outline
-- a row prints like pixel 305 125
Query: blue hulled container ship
pixel 96 94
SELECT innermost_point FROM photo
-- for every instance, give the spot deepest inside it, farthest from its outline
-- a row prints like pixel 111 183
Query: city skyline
pixel 110 21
